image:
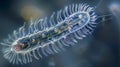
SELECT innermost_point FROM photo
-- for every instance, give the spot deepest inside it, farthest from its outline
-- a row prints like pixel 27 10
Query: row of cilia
pixel 50 35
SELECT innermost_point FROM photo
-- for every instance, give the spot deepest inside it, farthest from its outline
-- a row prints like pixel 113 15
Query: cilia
pixel 50 35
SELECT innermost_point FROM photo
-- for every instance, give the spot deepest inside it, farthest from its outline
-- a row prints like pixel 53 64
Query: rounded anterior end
pixel 18 47
pixel 84 17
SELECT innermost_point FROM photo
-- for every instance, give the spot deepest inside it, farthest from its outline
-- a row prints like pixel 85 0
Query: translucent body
pixel 50 35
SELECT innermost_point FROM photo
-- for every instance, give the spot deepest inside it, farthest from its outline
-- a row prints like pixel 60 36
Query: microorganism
pixel 50 35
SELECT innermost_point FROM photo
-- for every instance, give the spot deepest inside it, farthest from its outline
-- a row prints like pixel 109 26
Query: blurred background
pixel 101 49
